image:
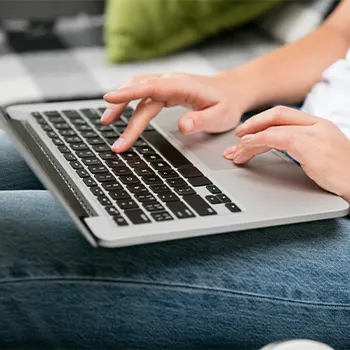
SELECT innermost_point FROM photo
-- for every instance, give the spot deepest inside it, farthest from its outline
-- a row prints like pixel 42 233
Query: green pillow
pixel 141 29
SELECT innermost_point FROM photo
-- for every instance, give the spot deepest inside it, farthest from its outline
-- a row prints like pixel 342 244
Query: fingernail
pixel 118 144
pixel 248 137
pixel 229 152
pixel 189 125
pixel 110 95
pixel 106 115
pixel 239 130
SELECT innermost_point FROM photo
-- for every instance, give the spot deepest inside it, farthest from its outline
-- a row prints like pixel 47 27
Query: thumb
pixel 210 120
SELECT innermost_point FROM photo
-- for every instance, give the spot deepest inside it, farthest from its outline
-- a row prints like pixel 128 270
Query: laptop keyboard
pixel 151 182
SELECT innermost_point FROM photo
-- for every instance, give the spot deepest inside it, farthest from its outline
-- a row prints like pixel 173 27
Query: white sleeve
pixel 330 98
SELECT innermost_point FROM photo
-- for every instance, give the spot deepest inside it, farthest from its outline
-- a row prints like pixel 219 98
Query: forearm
pixel 286 75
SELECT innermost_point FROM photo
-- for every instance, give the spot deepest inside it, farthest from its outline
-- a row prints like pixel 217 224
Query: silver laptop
pixel 167 186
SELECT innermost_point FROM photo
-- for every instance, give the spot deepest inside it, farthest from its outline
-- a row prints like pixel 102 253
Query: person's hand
pixel 216 104
pixel 322 150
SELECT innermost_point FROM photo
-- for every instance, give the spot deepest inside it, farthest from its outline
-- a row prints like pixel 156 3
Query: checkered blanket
pixel 70 62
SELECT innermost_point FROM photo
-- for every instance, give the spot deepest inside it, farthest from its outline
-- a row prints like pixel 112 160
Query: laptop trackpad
pixel 209 149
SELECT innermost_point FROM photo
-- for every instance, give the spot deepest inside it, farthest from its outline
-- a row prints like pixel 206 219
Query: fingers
pixel 144 113
pixel 283 138
pixel 184 90
pixel 113 112
pixel 274 117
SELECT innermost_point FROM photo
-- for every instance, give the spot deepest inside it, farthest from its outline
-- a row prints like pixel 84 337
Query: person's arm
pixel 287 75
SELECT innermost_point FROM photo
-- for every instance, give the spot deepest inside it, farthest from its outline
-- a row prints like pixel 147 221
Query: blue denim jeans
pixel 231 291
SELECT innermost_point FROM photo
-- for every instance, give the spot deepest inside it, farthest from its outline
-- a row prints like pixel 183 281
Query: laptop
pixel 167 186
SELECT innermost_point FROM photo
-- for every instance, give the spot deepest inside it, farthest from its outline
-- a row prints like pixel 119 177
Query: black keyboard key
pixel 144 171
pixel 96 141
pixel 104 200
pixel 83 173
pixel 79 122
pixel 101 148
pixel 232 207
pixel 137 216
pixel 63 149
pixel 152 180
pixel 110 140
pixel 108 155
pixel 223 198
pixel 162 216
pixel 111 134
pixel 65 133
pixel 73 139
pixel 52 135
pixel 154 206
pixel 168 196
pixel 168 174
pixel 161 165
pixel 120 129
pixel 104 128
pixel 71 114
pixel 91 161
pixel 199 205
pixel 145 150
pixel 90 182
pixel 112 186
pixel 199 181
pixel 112 211
pixel 52 114
pixel 153 158
pixel 115 163
pixel 122 171
pixel 159 188
pixel 104 177
pixel 137 163
pixel 213 189
pixel 129 155
pixel 119 195
pixel 176 182
pixel 101 110
pixel 184 191
pixel 140 143
pixel 137 188
pixel 96 191
pixel 145 197
pixel 129 180
pixel 180 210
pixel 90 113
pixel 38 117
pixel 76 165
pixel 128 112
pixel 98 169
pixel 83 128
pixel 120 221
pixel 62 126
pixel 85 154
pixel 190 172
pixel 79 147
pixel 70 157
pixel 213 199
pixel 47 128
pixel 89 134
pixel 58 142
pixel 125 204
pixel 171 154
pixel 95 122
pixel 57 120
pixel 119 122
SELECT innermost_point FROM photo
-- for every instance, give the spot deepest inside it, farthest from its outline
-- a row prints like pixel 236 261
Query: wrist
pixel 244 87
